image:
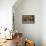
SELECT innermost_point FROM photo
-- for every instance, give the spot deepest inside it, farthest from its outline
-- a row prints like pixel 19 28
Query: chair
pixel 29 43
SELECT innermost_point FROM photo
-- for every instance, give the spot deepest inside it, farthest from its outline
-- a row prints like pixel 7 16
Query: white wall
pixel 6 13
pixel 43 22
pixel 31 31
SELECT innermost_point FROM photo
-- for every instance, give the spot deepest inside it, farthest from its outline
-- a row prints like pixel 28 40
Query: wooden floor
pixel 9 43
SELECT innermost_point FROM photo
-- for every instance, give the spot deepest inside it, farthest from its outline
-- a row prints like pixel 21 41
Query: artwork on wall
pixel 28 19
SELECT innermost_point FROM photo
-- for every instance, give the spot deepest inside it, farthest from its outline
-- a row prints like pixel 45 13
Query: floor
pixel 9 43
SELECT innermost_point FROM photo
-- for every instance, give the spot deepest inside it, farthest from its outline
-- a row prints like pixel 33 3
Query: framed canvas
pixel 28 19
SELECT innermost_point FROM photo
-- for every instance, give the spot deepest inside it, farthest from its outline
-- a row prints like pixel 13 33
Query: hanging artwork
pixel 28 19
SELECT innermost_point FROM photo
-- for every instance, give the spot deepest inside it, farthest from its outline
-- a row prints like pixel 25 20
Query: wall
pixel 30 31
pixel 43 22
pixel 6 13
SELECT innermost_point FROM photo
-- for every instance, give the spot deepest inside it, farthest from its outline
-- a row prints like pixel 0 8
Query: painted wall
pixel 6 13
pixel 30 31
pixel 43 22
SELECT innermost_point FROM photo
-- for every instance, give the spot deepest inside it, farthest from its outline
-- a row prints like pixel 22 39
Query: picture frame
pixel 28 19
